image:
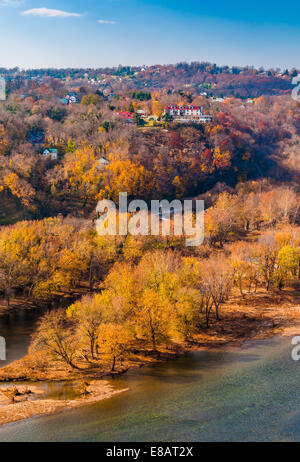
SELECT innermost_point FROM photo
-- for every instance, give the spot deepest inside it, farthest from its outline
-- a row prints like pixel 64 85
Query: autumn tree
pixel 115 341
pixel 89 313
pixel 55 336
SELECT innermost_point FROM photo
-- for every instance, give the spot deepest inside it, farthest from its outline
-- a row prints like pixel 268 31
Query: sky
pixel 100 33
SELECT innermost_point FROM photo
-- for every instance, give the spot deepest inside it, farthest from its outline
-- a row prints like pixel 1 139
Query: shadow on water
pixel 193 366
pixel 17 328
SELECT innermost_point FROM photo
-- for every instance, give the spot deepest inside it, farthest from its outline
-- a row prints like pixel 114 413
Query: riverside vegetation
pixel 141 299
pixel 148 297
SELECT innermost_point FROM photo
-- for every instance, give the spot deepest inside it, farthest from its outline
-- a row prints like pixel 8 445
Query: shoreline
pixel 99 389
pixel 24 303
pixel 26 409
pixel 242 321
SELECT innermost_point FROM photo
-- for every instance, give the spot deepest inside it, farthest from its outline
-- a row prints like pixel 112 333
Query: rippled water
pixel 248 394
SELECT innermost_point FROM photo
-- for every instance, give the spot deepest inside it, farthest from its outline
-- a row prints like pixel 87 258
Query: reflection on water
pixel 17 328
pixel 238 395
pixel 59 390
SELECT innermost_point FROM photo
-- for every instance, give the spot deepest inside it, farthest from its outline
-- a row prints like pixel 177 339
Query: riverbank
pixel 26 407
pixel 22 302
pixel 258 316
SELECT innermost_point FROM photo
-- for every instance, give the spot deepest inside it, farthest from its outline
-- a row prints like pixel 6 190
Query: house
pixel 187 114
pixel 70 98
pixel 53 153
pixel 217 99
pixel 102 163
pixel 73 97
pixel 184 111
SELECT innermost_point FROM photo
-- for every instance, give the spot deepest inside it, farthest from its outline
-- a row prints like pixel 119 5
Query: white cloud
pixel 105 21
pixel 11 2
pixel 48 13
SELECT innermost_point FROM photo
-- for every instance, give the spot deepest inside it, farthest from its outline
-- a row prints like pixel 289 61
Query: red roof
pixel 125 115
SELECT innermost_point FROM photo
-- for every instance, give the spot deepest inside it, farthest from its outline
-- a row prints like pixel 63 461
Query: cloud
pixel 105 21
pixel 11 2
pixel 48 13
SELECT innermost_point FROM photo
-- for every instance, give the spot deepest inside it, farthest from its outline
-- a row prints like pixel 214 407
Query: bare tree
pixel 54 335
pixel 217 282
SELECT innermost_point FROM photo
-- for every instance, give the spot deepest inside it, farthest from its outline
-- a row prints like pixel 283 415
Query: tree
pixel 217 281
pixel 153 318
pixel 115 341
pixel 267 251
pixel 288 264
pixel 89 313
pixel 55 337
pixel 138 120
pixel 12 271
pixel 187 311
pixel 91 98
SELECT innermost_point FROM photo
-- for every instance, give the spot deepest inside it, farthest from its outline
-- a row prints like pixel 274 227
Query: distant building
pixel 217 100
pixel 187 114
pixel 126 116
pixel 70 98
pixel 102 163
pixel 53 153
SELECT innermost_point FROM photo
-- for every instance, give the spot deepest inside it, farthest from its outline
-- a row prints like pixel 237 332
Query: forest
pixel 146 293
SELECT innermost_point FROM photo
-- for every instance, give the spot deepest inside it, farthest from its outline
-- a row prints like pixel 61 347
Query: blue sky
pixel 98 33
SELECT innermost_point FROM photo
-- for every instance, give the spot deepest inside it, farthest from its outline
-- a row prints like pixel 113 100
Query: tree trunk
pixel 92 347
pixel 113 364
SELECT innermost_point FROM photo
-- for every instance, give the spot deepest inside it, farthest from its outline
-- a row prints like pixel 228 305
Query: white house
pixel 188 113
pixel 102 163
pixel 53 153
pixel 179 111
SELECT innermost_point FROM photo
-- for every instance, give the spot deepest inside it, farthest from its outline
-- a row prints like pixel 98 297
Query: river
pixel 241 394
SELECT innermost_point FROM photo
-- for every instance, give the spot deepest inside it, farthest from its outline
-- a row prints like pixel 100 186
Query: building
pixel 70 98
pixel 53 153
pixel 187 114
pixel 128 116
pixel 102 163
pixel 217 99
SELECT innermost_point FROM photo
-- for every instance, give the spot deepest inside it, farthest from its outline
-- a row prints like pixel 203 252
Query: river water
pixel 242 394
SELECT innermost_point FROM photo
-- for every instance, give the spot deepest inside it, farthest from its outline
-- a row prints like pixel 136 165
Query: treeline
pixel 237 81
pixel 44 258
pixel 167 161
pixel 165 298
pixel 40 259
